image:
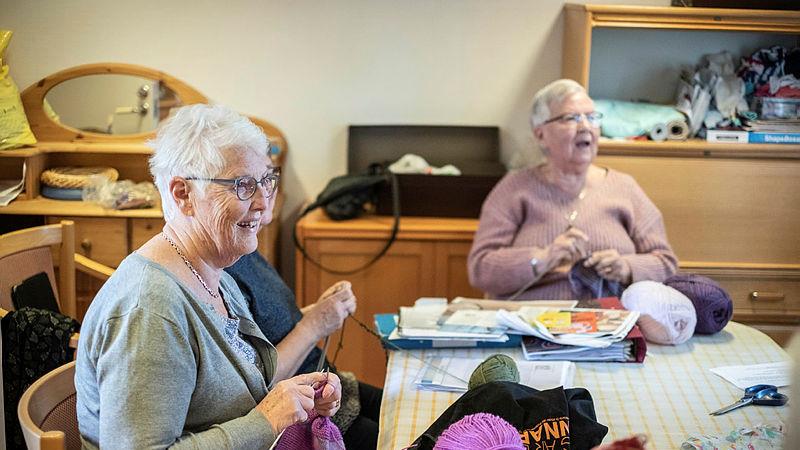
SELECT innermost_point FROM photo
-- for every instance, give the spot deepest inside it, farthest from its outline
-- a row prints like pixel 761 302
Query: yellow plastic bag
pixel 14 129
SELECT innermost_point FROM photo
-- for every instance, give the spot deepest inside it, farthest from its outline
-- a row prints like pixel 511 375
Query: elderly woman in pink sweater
pixel 540 221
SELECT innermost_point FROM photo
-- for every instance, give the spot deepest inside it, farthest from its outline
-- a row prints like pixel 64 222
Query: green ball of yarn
pixel 494 368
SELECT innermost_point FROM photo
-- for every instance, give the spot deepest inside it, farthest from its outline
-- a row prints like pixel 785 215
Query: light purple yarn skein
pixel 482 431
pixel 666 315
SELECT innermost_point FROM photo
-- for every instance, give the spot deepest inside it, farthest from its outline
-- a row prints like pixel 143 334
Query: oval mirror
pixel 104 102
pixel 110 103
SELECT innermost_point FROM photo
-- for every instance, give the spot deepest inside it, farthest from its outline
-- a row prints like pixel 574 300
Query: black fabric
pixel 275 311
pixel 344 196
pixel 557 419
pixel 35 341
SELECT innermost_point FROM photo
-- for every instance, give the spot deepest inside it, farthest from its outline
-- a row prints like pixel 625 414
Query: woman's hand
pixel 610 265
pixel 327 314
pixel 328 401
pixel 290 400
pixel 569 247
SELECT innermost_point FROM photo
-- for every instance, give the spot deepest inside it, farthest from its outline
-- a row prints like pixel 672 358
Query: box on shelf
pixel 727 136
pixel 473 149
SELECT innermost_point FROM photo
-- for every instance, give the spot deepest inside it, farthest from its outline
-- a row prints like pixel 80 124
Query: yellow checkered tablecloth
pixel 667 398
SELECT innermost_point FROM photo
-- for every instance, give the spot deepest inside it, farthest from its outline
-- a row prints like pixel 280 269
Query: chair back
pixel 47 411
pixel 29 252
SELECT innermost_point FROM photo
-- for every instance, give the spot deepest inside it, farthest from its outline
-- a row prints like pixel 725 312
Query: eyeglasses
pixel 594 118
pixel 245 187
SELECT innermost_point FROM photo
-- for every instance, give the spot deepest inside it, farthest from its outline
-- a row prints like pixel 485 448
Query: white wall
pixel 314 67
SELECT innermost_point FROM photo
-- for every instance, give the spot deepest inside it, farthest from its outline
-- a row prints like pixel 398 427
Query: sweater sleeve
pixel 146 372
pixel 494 264
pixel 654 259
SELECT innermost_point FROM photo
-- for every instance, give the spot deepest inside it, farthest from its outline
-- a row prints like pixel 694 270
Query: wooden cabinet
pixel 732 211
pixel 428 259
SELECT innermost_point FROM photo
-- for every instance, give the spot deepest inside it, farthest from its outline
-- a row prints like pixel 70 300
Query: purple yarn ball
pixel 713 305
pixel 482 431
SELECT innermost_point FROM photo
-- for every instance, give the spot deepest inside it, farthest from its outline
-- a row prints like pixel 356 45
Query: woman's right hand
pixel 568 248
pixel 327 314
pixel 290 400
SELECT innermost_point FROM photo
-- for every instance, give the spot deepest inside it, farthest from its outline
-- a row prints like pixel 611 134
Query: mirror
pixel 104 102
pixel 111 103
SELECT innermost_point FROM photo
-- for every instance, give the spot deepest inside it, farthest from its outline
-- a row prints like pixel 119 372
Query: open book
pixel 445 373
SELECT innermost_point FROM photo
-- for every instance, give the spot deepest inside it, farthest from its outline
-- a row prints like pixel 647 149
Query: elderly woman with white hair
pixel 539 222
pixel 169 355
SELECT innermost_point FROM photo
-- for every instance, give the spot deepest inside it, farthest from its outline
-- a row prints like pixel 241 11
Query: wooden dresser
pixel 732 211
pixel 104 235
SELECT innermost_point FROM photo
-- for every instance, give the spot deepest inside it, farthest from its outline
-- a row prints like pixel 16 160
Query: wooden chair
pixel 30 251
pixel 47 411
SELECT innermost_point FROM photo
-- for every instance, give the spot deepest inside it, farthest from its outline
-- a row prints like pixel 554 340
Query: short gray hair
pixel 190 143
pixel 554 93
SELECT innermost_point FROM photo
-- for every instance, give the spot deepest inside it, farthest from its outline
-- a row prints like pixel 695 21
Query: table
pixel 667 398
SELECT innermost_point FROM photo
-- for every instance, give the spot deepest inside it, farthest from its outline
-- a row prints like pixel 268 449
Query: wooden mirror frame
pixel 45 129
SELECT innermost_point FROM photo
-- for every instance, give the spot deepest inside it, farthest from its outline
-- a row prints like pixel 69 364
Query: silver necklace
pixel 574 214
pixel 190 266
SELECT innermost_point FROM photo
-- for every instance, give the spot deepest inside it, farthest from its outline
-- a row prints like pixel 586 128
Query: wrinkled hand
pixel 290 400
pixel 330 311
pixel 328 401
pixel 610 265
pixel 569 247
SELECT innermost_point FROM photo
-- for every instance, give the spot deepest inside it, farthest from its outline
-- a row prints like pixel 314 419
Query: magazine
pixel 535 349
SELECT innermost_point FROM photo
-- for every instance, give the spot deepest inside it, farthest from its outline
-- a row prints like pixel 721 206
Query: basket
pixel 75 177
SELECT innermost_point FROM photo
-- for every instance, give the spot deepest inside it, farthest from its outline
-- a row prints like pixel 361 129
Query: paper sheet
pixel 439 373
pixel 743 377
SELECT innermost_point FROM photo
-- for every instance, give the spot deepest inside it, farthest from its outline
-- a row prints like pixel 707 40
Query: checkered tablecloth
pixel 667 398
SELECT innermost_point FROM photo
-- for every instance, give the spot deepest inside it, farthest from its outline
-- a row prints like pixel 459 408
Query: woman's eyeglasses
pixel 594 118
pixel 245 187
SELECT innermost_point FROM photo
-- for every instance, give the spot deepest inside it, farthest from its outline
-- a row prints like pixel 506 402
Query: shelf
pixel 79 147
pixel 50 207
pixel 690 18
pixel 698 149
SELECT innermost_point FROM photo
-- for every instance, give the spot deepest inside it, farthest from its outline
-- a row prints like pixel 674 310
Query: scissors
pixel 760 394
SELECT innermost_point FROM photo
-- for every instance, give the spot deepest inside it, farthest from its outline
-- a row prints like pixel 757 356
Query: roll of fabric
pixel 658 132
pixel 677 130
pixel 666 315
pixel 480 431
pixel 713 305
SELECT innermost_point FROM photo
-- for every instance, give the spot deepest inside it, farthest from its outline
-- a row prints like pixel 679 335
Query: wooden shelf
pixel 319 226
pixel 50 207
pixel 698 148
pixel 79 147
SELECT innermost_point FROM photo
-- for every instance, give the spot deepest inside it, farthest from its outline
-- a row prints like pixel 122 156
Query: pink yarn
pixel 317 433
pixel 666 315
pixel 480 431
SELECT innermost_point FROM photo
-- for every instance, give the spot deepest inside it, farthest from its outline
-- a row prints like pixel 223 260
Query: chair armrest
pixel 92 267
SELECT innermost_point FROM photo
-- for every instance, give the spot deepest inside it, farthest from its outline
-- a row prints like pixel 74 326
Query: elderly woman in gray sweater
pixel 169 355
pixel 540 221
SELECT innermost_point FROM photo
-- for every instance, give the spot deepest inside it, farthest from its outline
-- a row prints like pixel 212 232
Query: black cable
pixel 379 255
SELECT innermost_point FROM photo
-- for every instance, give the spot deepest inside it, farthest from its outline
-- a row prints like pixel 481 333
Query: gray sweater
pixel 154 369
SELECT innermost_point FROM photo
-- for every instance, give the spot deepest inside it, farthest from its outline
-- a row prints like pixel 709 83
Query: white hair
pixel 554 93
pixel 190 144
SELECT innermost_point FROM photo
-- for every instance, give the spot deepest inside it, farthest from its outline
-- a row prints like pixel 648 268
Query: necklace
pixel 574 214
pixel 190 266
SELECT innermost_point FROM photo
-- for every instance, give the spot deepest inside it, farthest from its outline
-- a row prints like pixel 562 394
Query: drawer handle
pixel 86 245
pixel 767 296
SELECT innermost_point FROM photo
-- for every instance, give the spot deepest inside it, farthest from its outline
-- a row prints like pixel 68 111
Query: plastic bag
pixel 123 194
pixel 14 129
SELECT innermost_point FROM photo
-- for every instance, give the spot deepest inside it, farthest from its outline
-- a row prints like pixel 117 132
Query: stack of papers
pixel 452 374
pixel 586 327
pixel 535 349
pixel 10 189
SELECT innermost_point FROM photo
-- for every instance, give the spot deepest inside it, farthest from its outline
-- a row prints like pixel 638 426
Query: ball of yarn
pixel 494 368
pixel 666 315
pixel 482 431
pixel 713 305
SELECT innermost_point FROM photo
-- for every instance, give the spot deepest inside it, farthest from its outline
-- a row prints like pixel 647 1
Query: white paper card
pixel 776 374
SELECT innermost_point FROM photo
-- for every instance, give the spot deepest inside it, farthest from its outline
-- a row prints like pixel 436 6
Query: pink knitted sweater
pixel 523 212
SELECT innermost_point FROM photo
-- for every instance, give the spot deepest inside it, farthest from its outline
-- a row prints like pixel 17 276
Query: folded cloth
pixel 586 283
pixel 759 436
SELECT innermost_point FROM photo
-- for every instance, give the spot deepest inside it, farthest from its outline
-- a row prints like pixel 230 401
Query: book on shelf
pixel 774 138
pixel 447 373
pixel 386 326
pixel 753 137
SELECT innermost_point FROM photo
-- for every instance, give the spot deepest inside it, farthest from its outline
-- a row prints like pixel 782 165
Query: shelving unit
pixel 732 210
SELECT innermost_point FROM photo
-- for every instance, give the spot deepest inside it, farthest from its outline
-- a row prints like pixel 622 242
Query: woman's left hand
pixel 328 402
pixel 610 265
